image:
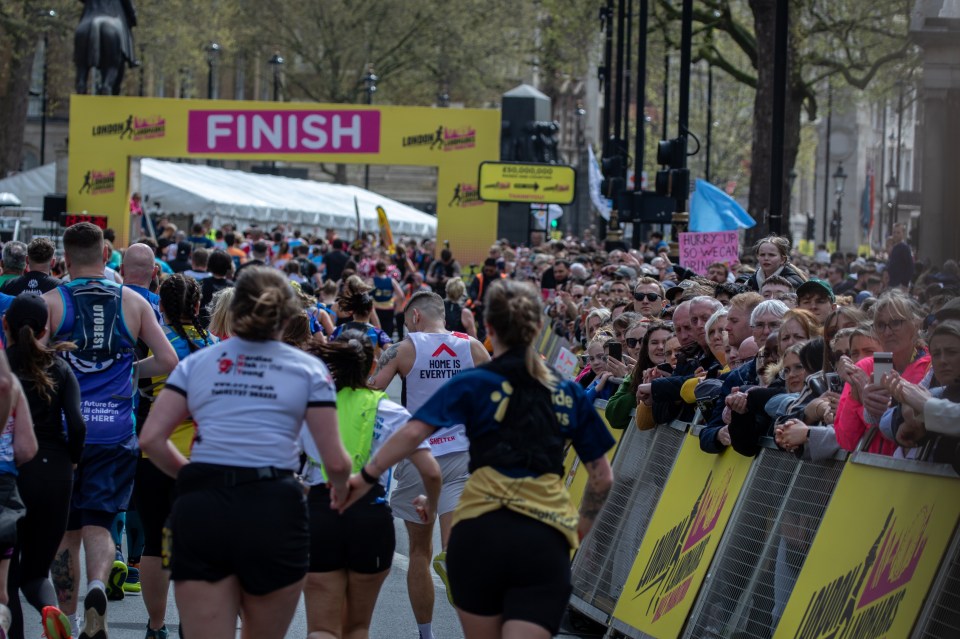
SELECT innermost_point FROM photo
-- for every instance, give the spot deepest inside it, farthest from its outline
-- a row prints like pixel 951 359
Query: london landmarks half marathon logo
pixel 677 555
pixel 465 194
pixel 863 602
pixel 98 182
pixel 133 128
pixel 445 139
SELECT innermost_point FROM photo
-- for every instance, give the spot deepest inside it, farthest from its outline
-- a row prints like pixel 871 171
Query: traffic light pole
pixel 683 108
pixel 777 174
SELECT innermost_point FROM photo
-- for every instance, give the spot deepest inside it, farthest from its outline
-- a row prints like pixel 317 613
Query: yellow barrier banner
pixel 874 557
pixel 681 539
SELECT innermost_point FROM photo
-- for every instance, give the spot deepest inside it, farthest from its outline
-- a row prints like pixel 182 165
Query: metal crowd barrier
pixel 780 562
pixel 941 615
pixel 641 468
pixel 764 546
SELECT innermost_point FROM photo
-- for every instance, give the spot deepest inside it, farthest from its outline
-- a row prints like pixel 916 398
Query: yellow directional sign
pixel 535 183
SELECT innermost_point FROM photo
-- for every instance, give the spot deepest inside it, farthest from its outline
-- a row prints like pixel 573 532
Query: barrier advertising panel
pixel 681 540
pixel 874 557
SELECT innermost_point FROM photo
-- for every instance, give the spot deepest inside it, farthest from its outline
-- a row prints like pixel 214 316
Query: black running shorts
pixel 505 563
pixel 361 540
pixel 256 530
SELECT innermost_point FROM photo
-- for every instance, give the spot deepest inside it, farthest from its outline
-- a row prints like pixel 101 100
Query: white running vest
pixel 439 358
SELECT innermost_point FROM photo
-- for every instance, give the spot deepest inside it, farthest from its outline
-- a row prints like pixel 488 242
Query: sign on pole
pixel 543 183
pixel 699 250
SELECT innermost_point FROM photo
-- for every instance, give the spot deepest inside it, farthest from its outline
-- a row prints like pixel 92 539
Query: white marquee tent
pixel 241 198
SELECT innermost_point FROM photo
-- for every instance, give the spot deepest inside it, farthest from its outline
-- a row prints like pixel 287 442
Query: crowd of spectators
pixel 778 345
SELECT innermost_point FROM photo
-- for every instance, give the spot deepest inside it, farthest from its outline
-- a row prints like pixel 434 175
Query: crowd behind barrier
pixel 733 397
pixel 765 528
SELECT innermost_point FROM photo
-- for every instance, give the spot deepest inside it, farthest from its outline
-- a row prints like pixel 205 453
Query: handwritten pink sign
pixel 274 131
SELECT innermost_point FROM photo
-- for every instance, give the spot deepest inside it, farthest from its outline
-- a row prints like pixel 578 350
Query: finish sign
pixel 532 183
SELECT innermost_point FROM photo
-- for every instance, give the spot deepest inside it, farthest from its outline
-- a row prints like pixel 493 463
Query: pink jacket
pixel 849 424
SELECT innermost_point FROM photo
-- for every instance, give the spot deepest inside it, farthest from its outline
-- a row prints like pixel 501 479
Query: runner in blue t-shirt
pixel 508 559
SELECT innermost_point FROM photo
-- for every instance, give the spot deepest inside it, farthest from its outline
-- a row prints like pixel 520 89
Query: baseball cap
pixel 816 286
pixel 184 249
pixel 950 310
pixel 676 291
pixel 625 271
pixel 27 309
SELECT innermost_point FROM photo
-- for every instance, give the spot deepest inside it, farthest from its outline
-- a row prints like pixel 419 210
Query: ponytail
pixel 37 360
pixel 513 310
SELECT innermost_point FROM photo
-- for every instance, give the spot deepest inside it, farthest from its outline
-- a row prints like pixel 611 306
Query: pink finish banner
pixel 276 131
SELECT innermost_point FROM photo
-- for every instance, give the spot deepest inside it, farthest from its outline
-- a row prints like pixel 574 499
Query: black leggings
pixel 46 484
pixel 155 491
pixel 386 320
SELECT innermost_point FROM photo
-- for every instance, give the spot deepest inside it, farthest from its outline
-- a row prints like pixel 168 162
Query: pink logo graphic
pixel 272 131
pixel 708 514
pixel 897 558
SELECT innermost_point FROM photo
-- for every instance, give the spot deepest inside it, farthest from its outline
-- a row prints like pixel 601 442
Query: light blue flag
pixel 713 210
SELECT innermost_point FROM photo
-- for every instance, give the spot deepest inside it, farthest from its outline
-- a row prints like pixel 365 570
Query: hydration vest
pixel 104 359
pixel 452 317
pixel 529 434
pixel 383 291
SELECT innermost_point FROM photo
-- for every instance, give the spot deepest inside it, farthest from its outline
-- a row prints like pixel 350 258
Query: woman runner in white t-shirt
pixel 249 397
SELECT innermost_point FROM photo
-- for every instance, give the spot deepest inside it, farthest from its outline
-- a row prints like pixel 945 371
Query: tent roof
pixel 245 198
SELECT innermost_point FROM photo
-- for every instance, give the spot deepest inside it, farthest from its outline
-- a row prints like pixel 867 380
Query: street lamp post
pixel 213 58
pixel 142 88
pixel 896 201
pixel 277 63
pixel 840 179
pixel 49 13
pixel 370 82
pixel 893 191
pixel 791 180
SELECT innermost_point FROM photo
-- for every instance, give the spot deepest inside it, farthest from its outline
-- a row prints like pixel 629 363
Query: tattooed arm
pixel 599 480
pixel 397 358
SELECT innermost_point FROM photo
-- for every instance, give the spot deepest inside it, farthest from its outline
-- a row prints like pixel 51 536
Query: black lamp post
pixel 213 59
pixel 840 180
pixel 47 13
pixel 277 63
pixel 142 87
pixel 893 191
pixel 370 82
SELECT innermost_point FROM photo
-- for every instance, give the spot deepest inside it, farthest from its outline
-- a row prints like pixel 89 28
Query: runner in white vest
pixel 428 358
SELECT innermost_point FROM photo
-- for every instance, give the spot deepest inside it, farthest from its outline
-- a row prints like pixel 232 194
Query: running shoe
pixel 56 625
pixel 156 634
pixel 440 567
pixel 95 614
pixel 132 584
pixel 116 580
pixel 5 620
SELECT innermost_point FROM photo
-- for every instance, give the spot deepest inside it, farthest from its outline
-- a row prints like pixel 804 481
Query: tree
pixel 22 25
pixel 843 41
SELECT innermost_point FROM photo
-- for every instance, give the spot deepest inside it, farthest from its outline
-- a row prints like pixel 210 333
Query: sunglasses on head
pixel 650 297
